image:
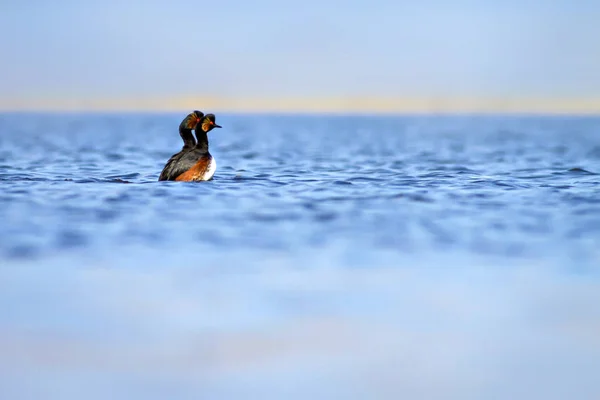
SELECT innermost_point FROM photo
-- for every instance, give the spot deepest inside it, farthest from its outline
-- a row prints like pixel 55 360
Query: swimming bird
pixel 194 162
pixel 185 131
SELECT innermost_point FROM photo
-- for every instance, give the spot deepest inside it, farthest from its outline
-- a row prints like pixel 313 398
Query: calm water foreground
pixel 332 257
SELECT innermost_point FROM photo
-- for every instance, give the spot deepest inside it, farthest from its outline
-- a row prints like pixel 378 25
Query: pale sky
pixel 112 50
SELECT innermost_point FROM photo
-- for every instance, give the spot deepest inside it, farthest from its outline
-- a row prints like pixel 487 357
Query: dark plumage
pixel 186 126
pixel 194 162
pixel 185 131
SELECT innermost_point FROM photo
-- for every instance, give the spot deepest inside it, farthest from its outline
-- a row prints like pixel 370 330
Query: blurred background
pixel 405 203
pixel 325 55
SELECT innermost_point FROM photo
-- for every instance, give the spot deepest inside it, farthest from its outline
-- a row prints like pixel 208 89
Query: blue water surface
pixel 450 257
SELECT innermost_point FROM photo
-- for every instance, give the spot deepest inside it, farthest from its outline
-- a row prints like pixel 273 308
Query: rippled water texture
pixel 331 257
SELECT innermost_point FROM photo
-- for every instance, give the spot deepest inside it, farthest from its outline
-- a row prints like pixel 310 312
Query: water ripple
pixel 423 189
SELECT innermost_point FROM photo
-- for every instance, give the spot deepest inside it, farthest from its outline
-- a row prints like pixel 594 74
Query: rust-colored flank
pixel 197 172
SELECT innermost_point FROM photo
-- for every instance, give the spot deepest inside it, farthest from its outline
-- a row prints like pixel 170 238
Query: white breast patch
pixel 212 167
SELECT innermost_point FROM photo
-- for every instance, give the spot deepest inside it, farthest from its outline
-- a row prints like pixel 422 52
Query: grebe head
pixel 192 120
pixel 208 123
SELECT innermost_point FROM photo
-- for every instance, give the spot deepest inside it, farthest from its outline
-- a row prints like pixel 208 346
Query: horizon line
pixel 318 105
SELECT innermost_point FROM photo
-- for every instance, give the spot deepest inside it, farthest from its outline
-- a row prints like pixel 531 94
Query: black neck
pixel 188 138
pixel 202 140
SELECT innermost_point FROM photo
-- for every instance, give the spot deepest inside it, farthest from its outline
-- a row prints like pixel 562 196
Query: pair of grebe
pixel 193 162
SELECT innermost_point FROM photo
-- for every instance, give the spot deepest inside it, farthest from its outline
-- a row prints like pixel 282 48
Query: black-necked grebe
pixel 194 162
pixel 185 131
